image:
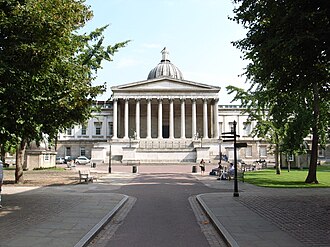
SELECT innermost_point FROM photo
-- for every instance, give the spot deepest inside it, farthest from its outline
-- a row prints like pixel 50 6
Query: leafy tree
pixel 46 69
pixel 287 46
pixel 260 111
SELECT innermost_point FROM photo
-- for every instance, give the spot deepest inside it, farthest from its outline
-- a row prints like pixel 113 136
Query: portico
pixel 165 117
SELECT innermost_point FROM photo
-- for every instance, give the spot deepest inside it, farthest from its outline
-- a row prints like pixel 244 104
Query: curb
pixel 219 227
pixel 97 228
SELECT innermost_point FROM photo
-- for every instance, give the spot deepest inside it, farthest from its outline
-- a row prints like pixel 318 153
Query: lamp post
pixel 220 154
pixel 110 139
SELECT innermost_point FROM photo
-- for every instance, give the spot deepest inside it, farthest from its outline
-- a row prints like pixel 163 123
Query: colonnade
pixel 212 102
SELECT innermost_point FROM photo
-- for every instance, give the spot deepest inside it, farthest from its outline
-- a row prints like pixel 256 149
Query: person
pixel 231 171
pixel 1 180
pixel 202 166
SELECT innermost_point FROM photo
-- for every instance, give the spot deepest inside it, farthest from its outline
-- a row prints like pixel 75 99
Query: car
pixel 82 160
pixel 60 160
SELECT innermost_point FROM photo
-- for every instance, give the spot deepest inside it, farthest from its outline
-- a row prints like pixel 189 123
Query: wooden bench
pixel 85 176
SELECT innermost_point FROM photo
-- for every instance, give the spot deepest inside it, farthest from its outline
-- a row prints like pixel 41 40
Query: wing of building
pixel 164 119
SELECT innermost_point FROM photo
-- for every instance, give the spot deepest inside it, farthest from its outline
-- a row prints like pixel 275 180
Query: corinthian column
pixel 149 118
pixel 171 119
pixel 215 119
pixel 126 118
pixel 183 119
pixel 193 117
pixel 137 118
pixel 160 118
pixel 205 126
pixel 115 118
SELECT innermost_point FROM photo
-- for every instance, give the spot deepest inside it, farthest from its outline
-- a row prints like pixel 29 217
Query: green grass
pixel 292 179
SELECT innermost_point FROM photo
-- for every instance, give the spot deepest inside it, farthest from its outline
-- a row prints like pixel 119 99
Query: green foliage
pixel 47 67
pixel 287 46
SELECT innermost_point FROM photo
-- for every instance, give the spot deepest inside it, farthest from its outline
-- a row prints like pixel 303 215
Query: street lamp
pixel 110 139
pixel 220 154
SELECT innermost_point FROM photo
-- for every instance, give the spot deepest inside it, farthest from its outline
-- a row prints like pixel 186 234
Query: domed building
pixel 163 119
pixel 165 69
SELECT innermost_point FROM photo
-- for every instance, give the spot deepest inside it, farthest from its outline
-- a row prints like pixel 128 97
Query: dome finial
pixel 165 54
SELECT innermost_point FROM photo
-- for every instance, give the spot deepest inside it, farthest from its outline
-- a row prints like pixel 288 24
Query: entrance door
pixel 166 131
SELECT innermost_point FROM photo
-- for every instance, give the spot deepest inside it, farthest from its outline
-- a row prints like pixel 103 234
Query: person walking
pixel 1 180
pixel 202 166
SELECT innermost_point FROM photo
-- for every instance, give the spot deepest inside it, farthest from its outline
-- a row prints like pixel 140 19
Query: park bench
pixel 85 176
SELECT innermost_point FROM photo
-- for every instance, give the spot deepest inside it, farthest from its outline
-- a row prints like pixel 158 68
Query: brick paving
pixel 304 214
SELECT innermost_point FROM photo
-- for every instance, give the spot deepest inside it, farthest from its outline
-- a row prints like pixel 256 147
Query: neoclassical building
pixel 164 119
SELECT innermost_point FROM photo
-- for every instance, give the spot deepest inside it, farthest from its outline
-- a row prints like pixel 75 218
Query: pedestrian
pixel 202 166
pixel 1 180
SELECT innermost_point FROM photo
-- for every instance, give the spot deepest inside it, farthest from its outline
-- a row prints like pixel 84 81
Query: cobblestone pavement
pixel 303 213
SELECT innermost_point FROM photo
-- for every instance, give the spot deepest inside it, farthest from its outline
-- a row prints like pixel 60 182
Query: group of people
pixel 223 174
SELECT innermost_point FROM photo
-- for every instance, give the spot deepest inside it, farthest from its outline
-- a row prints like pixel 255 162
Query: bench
pixel 85 176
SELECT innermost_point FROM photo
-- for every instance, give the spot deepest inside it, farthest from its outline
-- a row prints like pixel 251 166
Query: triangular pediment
pixel 165 84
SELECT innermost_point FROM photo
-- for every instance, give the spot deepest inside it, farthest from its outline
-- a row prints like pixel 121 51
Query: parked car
pixel 82 160
pixel 60 160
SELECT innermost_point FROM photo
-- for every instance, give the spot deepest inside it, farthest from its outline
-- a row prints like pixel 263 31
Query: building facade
pixel 164 119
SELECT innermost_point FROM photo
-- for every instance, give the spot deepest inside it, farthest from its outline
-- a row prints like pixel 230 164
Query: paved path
pixel 162 215
pixel 70 215
pixel 269 217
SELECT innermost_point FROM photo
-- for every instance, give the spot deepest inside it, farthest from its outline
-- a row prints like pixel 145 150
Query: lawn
pixel 292 179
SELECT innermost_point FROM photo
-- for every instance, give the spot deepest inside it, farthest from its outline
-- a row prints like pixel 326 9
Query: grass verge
pixel 292 179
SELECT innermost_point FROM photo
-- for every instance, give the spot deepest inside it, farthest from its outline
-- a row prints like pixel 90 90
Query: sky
pixel 197 34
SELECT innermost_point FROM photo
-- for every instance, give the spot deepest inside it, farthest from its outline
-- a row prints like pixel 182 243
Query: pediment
pixel 165 84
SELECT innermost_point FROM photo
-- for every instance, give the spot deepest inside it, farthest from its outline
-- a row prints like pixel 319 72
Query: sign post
pixel 233 138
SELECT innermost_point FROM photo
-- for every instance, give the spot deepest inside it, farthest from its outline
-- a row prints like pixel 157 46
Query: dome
pixel 165 68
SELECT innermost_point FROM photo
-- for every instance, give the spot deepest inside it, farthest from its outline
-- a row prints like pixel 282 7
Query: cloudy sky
pixel 197 33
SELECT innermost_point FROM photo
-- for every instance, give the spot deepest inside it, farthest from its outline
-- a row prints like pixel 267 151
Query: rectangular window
pixel 248 151
pixel 220 128
pixel 46 157
pixel 82 151
pixel 83 129
pixel 231 126
pixel 110 128
pixel 246 129
pixel 98 128
pixel 68 151
pixel 262 151
pixel 69 131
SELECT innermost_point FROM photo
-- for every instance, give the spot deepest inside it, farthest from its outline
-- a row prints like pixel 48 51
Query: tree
pixel 260 111
pixel 287 46
pixel 46 69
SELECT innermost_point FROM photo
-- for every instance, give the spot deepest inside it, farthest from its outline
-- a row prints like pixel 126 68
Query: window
pixel 69 131
pixel 82 151
pixel 110 128
pixel 83 129
pixel 46 157
pixel 68 151
pixel 231 126
pixel 246 129
pixel 220 128
pixel 262 151
pixel 248 151
pixel 98 128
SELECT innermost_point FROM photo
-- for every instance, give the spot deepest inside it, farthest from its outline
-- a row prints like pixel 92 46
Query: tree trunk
pixel 277 163
pixel 20 153
pixel 311 177
pixel 3 153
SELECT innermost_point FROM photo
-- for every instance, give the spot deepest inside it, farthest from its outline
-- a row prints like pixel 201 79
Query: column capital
pixel 160 99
